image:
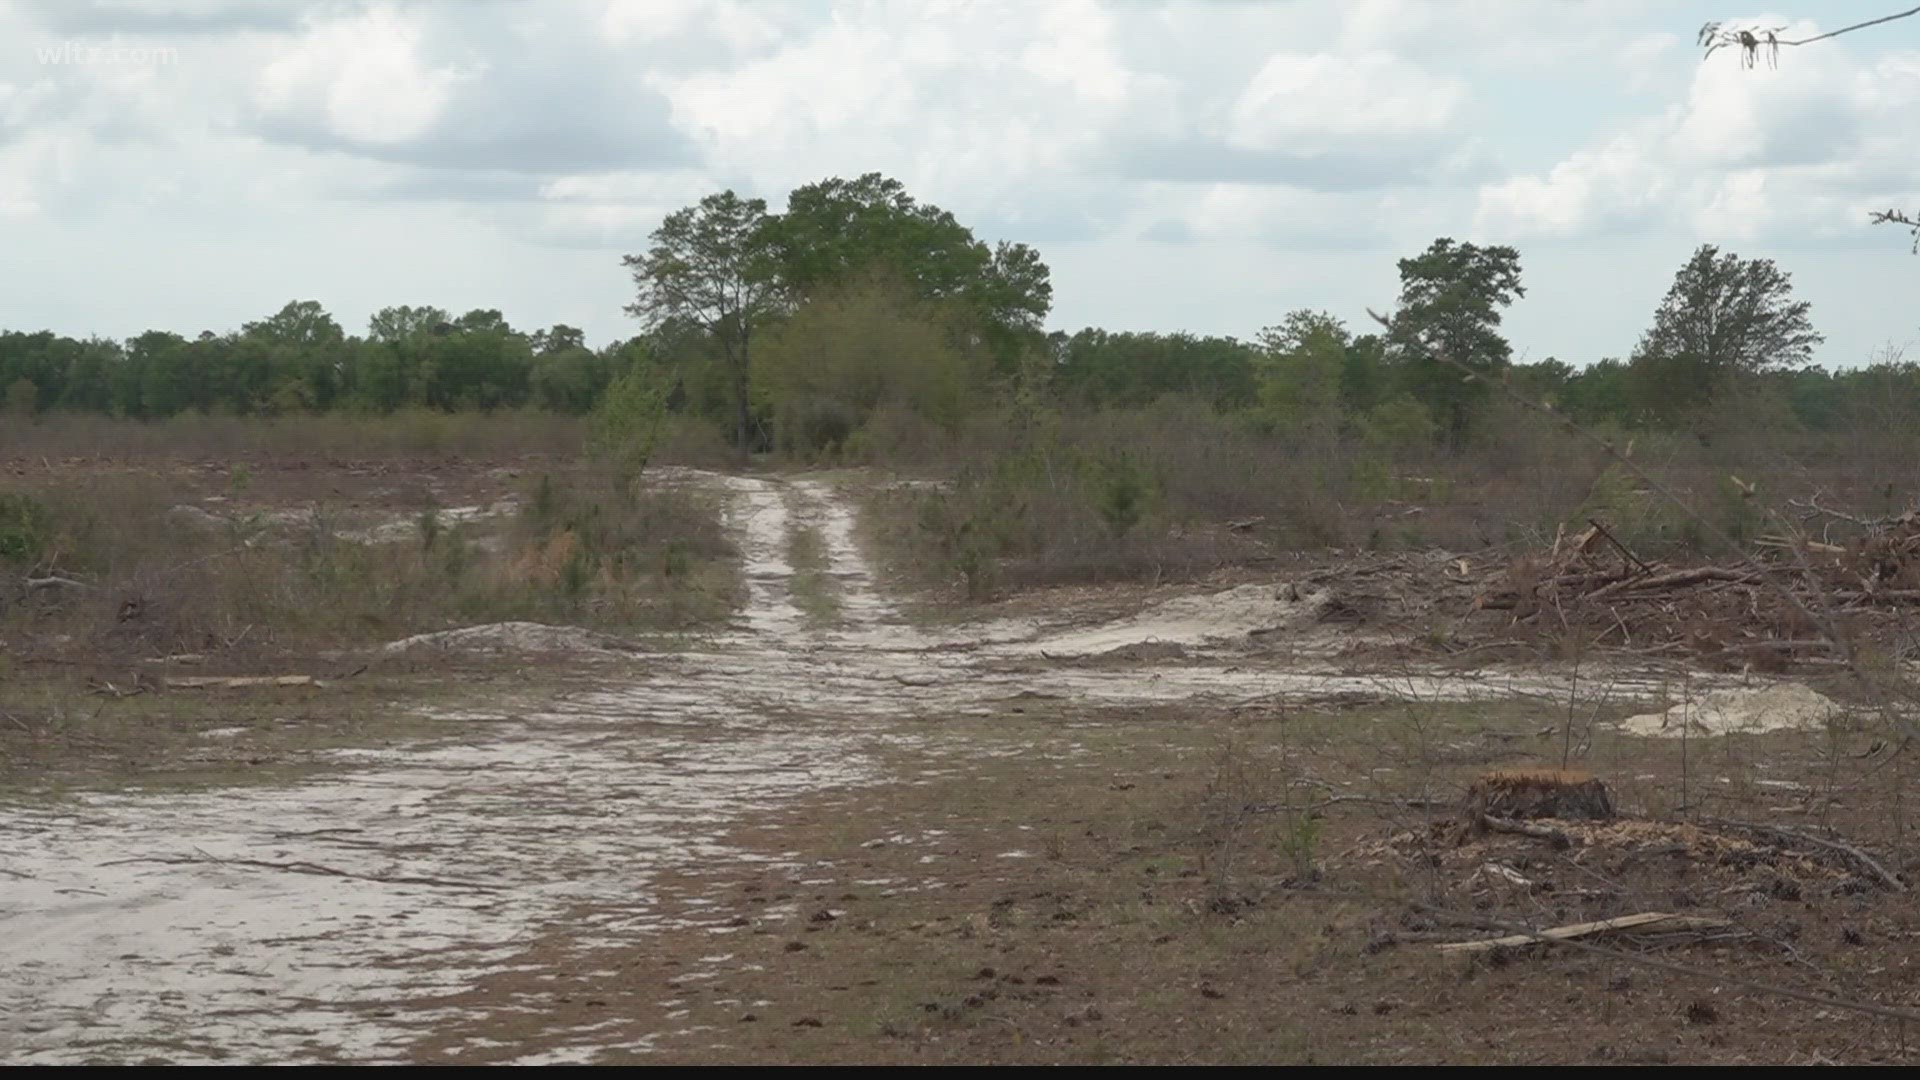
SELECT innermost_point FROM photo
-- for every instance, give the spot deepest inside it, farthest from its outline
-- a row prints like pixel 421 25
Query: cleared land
pixel 743 798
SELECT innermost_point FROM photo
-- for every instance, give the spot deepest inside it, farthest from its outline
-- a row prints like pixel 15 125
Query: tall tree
pixel 391 324
pixel 1724 318
pixel 713 264
pixel 301 324
pixel 849 352
pixel 837 230
pixel 1304 357
pixel 1451 296
pixel 305 353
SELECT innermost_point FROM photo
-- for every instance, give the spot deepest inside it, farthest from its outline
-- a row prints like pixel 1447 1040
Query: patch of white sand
pixel 1738 710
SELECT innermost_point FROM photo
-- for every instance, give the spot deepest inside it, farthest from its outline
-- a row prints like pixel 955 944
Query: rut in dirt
pixel 321 920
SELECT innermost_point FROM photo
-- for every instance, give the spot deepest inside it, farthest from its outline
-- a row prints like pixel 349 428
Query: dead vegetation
pixel 1732 609
pixel 227 560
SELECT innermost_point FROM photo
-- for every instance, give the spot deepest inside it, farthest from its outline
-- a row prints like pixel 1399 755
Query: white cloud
pixel 740 26
pixel 364 77
pixel 506 153
pixel 1296 98
pixel 1748 151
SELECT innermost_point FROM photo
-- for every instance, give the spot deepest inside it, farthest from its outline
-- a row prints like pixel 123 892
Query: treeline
pixel 799 329
pixel 301 361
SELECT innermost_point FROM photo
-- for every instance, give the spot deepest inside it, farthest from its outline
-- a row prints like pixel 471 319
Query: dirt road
pixel 308 921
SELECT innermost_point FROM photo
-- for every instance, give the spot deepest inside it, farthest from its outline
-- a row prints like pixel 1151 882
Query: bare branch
pixel 1751 39
pixel 1899 217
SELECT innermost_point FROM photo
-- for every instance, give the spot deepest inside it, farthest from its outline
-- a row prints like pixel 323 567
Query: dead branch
pixel 1751 39
pixel 1898 217
pixel 1673 580
pixel 54 581
pixel 1622 548
pixel 1865 1008
pixel 1818 613
pixel 302 867
pixel 1649 920
pixel 1560 840
pixel 1859 858
pixel 238 682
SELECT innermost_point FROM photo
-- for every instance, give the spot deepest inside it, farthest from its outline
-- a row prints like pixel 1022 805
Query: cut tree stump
pixel 1515 795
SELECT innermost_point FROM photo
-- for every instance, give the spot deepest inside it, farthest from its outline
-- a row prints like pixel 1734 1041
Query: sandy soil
pixel 306 921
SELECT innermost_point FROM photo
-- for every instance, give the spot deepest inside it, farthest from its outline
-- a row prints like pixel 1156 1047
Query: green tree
pixel 846 353
pixel 838 229
pixel 1598 393
pixel 305 355
pixel 1451 297
pixel 713 265
pixel 1104 369
pixel 1300 379
pixel 1363 375
pixel 625 426
pixel 567 377
pixel 392 324
pixel 1725 319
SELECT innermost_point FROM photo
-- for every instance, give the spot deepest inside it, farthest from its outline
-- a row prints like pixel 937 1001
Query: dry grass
pixel 273 556
pixel 274 560
pixel 1021 507
pixel 814 590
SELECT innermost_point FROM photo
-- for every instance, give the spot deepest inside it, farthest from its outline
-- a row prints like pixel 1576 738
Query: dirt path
pixel 308 921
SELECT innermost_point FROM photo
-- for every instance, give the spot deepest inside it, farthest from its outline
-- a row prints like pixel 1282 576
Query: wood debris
pixel 237 682
pixel 1647 920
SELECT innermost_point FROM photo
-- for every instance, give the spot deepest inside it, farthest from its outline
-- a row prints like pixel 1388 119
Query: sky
pixel 1196 166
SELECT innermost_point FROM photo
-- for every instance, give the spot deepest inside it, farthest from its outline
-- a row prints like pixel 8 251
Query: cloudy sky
pixel 192 164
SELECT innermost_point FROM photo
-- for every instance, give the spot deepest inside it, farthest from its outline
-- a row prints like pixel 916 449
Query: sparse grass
pixel 814 590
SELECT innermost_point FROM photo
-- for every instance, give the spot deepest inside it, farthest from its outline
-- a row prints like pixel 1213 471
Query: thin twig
pixel 1856 26
pixel 1624 550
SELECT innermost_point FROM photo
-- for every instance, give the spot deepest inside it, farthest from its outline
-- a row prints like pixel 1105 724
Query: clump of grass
pixel 25 531
pixel 618 554
pixel 814 590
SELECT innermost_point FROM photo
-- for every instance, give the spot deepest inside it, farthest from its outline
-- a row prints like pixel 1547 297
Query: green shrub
pixel 25 529
pixel 1122 491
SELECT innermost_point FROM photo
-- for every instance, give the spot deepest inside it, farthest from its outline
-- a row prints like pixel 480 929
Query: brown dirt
pixel 1069 889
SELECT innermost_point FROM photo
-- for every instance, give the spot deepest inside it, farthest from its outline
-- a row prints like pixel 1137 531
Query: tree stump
pixel 1530 794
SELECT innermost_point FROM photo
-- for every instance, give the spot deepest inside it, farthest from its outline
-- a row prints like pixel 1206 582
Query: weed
pixel 25 529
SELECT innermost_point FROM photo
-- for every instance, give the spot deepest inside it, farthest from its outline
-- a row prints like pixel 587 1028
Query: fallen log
pixel 237 682
pixel 1648 920
pixel 1560 840
pixel 1675 579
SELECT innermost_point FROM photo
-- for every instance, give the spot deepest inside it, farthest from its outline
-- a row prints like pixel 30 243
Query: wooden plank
pixel 1654 920
pixel 237 682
